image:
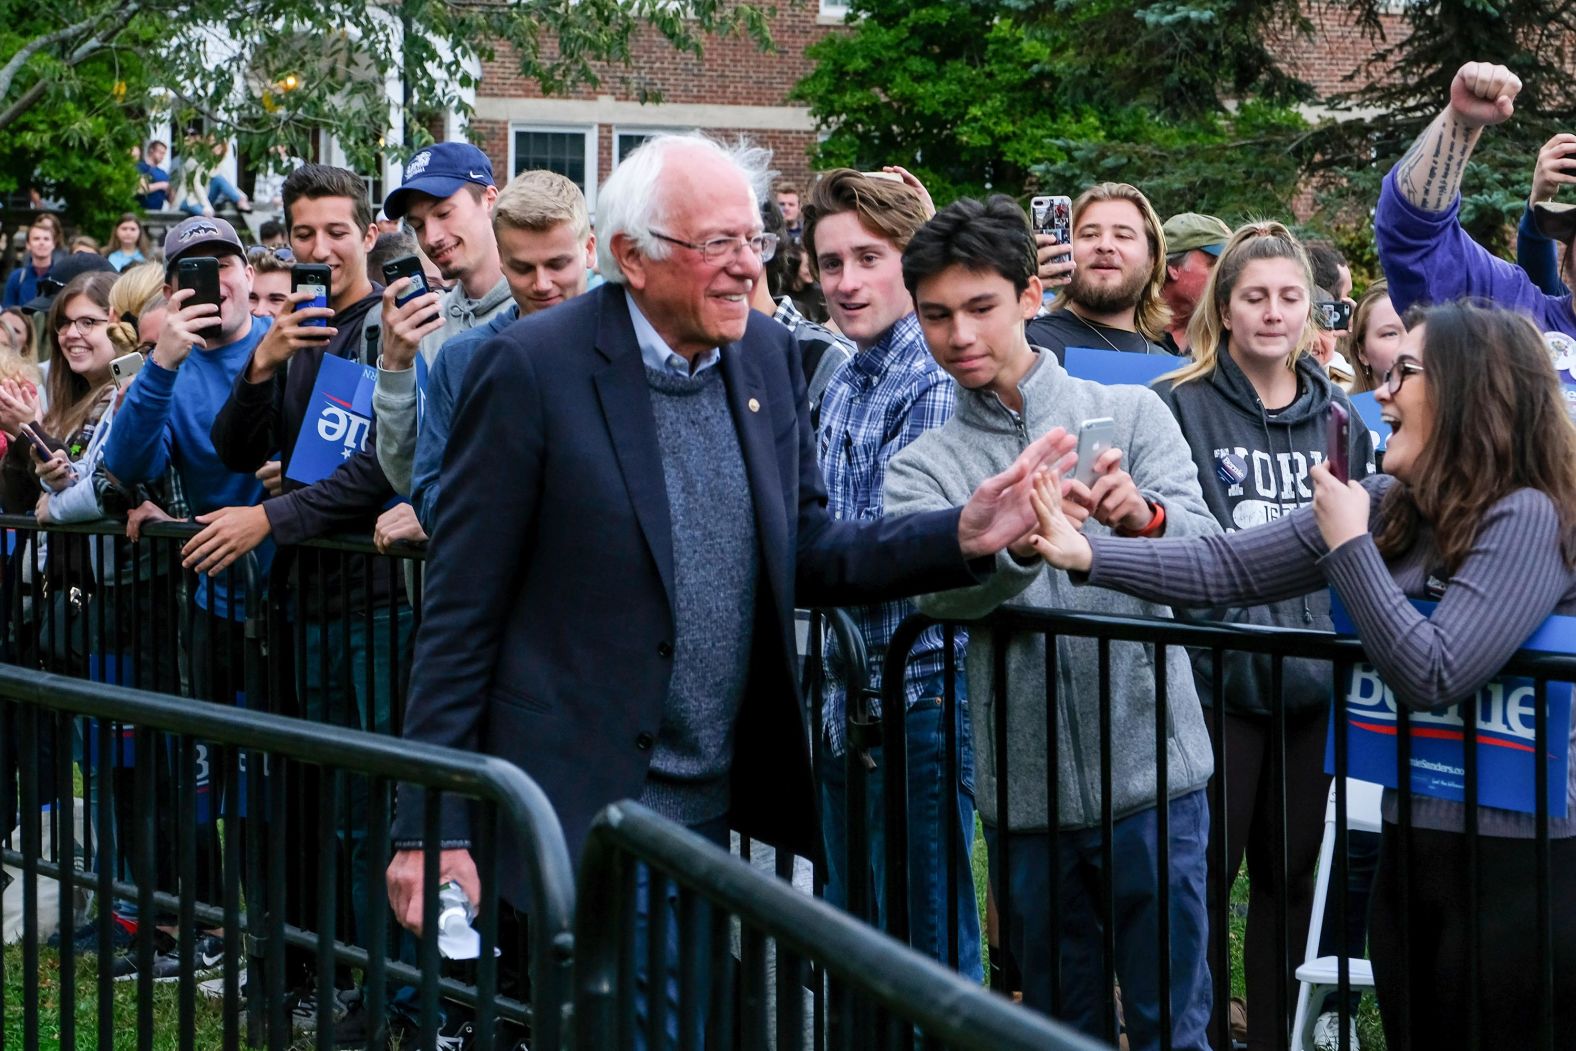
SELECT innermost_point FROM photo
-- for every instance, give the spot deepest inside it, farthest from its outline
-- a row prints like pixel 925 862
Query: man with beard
pixel 1115 300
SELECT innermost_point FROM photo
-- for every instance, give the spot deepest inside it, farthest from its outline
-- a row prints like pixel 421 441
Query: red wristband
pixel 1155 526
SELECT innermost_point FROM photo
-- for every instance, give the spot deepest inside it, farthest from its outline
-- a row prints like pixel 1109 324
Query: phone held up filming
pixel 1094 438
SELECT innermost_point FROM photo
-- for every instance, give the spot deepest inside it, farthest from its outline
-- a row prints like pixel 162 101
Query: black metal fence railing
pixel 886 996
pixel 139 759
pixel 1003 712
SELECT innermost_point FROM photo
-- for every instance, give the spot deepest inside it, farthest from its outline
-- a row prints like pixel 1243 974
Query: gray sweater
pixel 1512 580
pixel 939 470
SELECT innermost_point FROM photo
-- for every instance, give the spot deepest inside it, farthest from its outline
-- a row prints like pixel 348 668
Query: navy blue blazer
pixel 546 636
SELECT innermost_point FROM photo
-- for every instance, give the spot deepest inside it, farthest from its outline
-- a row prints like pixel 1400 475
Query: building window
pixel 569 151
pixel 625 142
pixel 834 9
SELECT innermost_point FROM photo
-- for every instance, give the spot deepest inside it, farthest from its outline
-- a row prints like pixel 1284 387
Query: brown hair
pixel 1499 425
pixel 1207 330
pixel 1152 315
pixel 321 180
pixel 885 207
pixel 1363 378
pixel 71 396
pixel 144 242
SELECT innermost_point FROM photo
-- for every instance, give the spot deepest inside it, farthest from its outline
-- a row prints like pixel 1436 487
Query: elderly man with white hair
pixel 631 511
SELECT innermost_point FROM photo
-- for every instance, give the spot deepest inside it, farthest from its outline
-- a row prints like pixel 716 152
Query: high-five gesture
pixel 999 513
pixel 1056 539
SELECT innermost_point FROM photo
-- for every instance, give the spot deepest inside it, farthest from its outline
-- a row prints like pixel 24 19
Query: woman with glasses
pixel 1477 511
pixel 1254 405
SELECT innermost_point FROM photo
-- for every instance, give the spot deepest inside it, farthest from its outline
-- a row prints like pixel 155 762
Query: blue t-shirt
pixel 165 421
pixel 21 287
pixel 153 202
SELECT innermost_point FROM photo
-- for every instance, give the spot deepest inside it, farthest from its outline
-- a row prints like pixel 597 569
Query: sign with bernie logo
pixel 338 418
pixel 1505 713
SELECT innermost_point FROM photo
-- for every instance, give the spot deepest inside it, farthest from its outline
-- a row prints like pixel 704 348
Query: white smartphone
pixel 125 367
pixel 1094 438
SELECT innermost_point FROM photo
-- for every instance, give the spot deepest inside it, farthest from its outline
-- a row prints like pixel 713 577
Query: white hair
pixel 631 204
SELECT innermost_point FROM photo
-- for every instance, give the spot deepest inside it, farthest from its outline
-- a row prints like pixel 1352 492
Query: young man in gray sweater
pixel 971 272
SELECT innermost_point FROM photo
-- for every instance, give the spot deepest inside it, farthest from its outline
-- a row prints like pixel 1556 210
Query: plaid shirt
pixel 884 398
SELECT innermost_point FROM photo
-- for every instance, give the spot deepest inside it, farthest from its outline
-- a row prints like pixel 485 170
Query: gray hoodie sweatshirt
pixel 1223 419
pixel 939 470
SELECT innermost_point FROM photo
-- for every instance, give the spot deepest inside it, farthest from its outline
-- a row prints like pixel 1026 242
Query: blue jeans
pixel 927 834
pixel 221 191
pixel 1079 893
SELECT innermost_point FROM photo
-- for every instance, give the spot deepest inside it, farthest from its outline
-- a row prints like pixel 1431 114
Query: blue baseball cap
pixel 439 171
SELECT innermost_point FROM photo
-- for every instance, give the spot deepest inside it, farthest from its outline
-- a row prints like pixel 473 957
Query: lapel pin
pixel 755 406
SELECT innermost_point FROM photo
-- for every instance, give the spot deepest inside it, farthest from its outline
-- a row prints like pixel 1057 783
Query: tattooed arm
pixel 1429 176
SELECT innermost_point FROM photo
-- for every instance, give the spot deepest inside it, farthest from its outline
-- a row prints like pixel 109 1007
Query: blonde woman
pixel 1254 407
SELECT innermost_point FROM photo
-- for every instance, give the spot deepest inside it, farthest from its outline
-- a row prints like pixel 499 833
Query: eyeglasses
pixel 85 325
pixel 1398 373
pixel 726 249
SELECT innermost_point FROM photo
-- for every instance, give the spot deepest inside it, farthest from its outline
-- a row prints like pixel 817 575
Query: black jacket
pixel 547 627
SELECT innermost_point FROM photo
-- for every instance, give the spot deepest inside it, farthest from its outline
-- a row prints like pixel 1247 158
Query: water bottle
pixel 457 939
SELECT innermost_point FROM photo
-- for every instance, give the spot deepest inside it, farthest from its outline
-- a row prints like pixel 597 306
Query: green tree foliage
pixel 1050 97
pixel 78 78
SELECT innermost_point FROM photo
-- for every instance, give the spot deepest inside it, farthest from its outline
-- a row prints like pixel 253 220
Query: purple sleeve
pixel 1509 582
pixel 1428 258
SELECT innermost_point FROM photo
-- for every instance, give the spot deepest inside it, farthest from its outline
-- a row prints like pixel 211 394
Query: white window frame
pixel 640 129
pixel 589 134
pixel 833 11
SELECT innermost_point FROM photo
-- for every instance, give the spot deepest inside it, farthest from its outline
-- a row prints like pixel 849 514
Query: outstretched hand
pixel 999 512
pixel 1055 538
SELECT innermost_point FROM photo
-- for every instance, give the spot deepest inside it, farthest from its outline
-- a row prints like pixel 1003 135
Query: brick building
pixel 734 90
pixel 737 90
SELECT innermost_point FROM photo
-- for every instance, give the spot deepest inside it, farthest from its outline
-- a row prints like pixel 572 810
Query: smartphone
pixel 39 440
pixel 314 278
pixel 1337 314
pixel 1094 438
pixel 201 274
pixel 1053 216
pixel 125 367
pixel 406 266
pixel 1337 451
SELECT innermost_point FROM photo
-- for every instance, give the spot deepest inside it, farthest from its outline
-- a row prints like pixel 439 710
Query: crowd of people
pixel 656 435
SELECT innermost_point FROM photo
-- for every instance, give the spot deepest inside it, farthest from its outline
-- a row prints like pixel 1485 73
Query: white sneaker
pixel 1327 1033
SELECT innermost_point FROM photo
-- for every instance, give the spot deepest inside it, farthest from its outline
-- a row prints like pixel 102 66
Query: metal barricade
pixel 1158 637
pixel 152 747
pixel 887 995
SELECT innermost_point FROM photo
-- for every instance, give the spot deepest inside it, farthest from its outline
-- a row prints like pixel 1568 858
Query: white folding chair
pixel 1319 975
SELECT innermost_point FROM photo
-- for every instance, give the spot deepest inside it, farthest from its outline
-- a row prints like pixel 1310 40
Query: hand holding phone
pixel 201 275
pixel 1094 438
pixel 314 278
pixel 125 369
pixel 406 266
pixel 1338 443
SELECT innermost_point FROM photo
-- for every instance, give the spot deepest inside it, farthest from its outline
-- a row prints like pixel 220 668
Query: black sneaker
pixel 123 968
pixel 208 950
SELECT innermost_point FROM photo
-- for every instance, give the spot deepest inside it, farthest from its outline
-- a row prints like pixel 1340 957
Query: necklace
pixel 1106 340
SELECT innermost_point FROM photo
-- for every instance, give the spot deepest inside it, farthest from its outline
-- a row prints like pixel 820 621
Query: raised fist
pixel 1484 94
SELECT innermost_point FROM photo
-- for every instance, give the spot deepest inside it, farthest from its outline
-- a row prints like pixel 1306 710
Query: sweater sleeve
pixel 1536 255
pixel 1428 258
pixel 425 484
pixel 394 404
pixel 1509 582
pixel 913 487
pixel 1269 563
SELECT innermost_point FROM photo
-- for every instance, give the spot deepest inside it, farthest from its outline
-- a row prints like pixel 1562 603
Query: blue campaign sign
pixel 1113 366
pixel 1505 713
pixel 338 417
pixel 1367 407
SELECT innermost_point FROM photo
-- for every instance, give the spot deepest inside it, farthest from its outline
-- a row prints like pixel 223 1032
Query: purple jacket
pixel 1428 258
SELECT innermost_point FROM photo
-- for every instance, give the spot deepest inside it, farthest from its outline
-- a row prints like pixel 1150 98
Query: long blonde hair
pixel 1151 315
pixel 1265 239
